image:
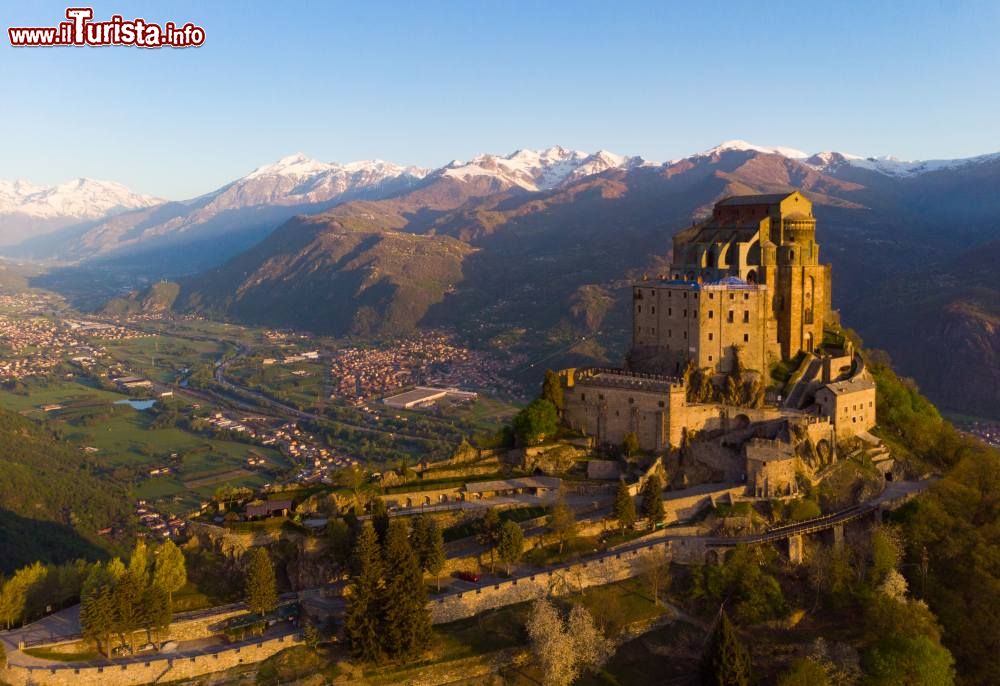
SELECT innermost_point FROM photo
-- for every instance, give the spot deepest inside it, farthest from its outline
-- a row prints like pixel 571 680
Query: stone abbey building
pixel 748 277
pixel 745 281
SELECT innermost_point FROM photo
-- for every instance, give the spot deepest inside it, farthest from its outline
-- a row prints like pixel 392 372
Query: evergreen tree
pixel 624 507
pixel 406 621
pixel 340 540
pixel 361 620
pixel 552 391
pixel 380 519
pixel 170 569
pixel 489 534
pixel 511 545
pixel 261 587
pixel 630 444
pixel 562 522
pixel 726 661
pixel 652 499
pixel 433 555
pixel 97 608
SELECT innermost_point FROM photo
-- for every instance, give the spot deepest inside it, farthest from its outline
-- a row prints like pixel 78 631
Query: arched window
pixel 752 276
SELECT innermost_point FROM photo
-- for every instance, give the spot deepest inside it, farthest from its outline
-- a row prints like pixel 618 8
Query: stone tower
pixel 755 247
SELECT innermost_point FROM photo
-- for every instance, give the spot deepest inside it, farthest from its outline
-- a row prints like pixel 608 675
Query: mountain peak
pixel 739 144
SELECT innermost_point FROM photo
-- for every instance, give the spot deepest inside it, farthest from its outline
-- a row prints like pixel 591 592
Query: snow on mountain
pixel 830 161
pixel 891 166
pixel 300 180
pixel 81 199
pixel 742 145
pixel 536 170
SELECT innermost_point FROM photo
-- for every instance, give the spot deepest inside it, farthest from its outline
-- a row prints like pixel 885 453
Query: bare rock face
pixel 552 459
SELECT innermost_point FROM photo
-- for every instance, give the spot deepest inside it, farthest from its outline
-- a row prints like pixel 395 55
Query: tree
pixel 339 539
pixel 656 569
pixel 902 661
pixel 535 423
pixel 552 391
pixel 511 545
pixel 380 519
pixel 562 522
pixel 489 534
pixel 361 620
pixel 406 622
pixel 170 569
pixel 97 608
pixel 726 661
pixel 624 507
pixel 805 672
pixel 591 646
pixel 433 556
pixel 565 648
pixel 630 444
pixel 652 499
pixel 261 587
pixel 551 644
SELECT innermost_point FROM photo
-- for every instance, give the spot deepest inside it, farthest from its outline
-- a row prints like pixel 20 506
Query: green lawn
pixel 55 393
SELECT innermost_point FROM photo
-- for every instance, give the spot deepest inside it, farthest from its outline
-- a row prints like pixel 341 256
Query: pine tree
pixel 562 522
pixel 652 499
pixel 552 391
pixel 261 587
pixel 407 625
pixel 511 545
pixel 489 534
pixel 380 519
pixel 624 507
pixel 97 607
pixel 726 661
pixel 170 569
pixel 433 553
pixel 630 444
pixel 361 620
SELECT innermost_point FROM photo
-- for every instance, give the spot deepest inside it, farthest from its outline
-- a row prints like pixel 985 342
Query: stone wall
pixel 157 669
pixel 560 581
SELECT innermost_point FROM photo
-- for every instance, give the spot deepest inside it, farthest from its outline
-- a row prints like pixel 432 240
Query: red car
pixel 468 576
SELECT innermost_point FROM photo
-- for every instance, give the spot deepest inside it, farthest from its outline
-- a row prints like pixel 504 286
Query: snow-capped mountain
pixel 28 209
pixel 535 170
pixel 235 215
pixel 77 199
pixel 891 166
pixel 744 146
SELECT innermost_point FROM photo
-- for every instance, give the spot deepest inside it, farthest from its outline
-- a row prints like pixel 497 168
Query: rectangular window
pixel 685 312
pixel 685 334
pixel 661 404
pixel 670 311
pixel 638 308
pixel 670 333
pixel 709 358
pixel 730 316
pixel 746 338
pixel 732 296
pixel 746 316
pixel 711 314
pixel 746 296
pixel 583 396
pixel 652 310
pixel 711 296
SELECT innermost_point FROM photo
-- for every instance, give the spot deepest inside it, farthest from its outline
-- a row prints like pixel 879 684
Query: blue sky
pixel 424 82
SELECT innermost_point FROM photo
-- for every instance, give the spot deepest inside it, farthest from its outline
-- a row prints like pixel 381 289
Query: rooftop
pixel 851 385
pixel 764 199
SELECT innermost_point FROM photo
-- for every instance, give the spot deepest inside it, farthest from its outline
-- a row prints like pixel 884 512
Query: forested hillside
pixel 51 507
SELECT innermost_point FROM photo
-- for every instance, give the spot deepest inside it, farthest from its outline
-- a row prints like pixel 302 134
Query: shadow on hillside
pixel 26 540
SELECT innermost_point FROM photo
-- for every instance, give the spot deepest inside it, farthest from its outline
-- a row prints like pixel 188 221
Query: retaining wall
pixel 157 669
pixel 563 580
